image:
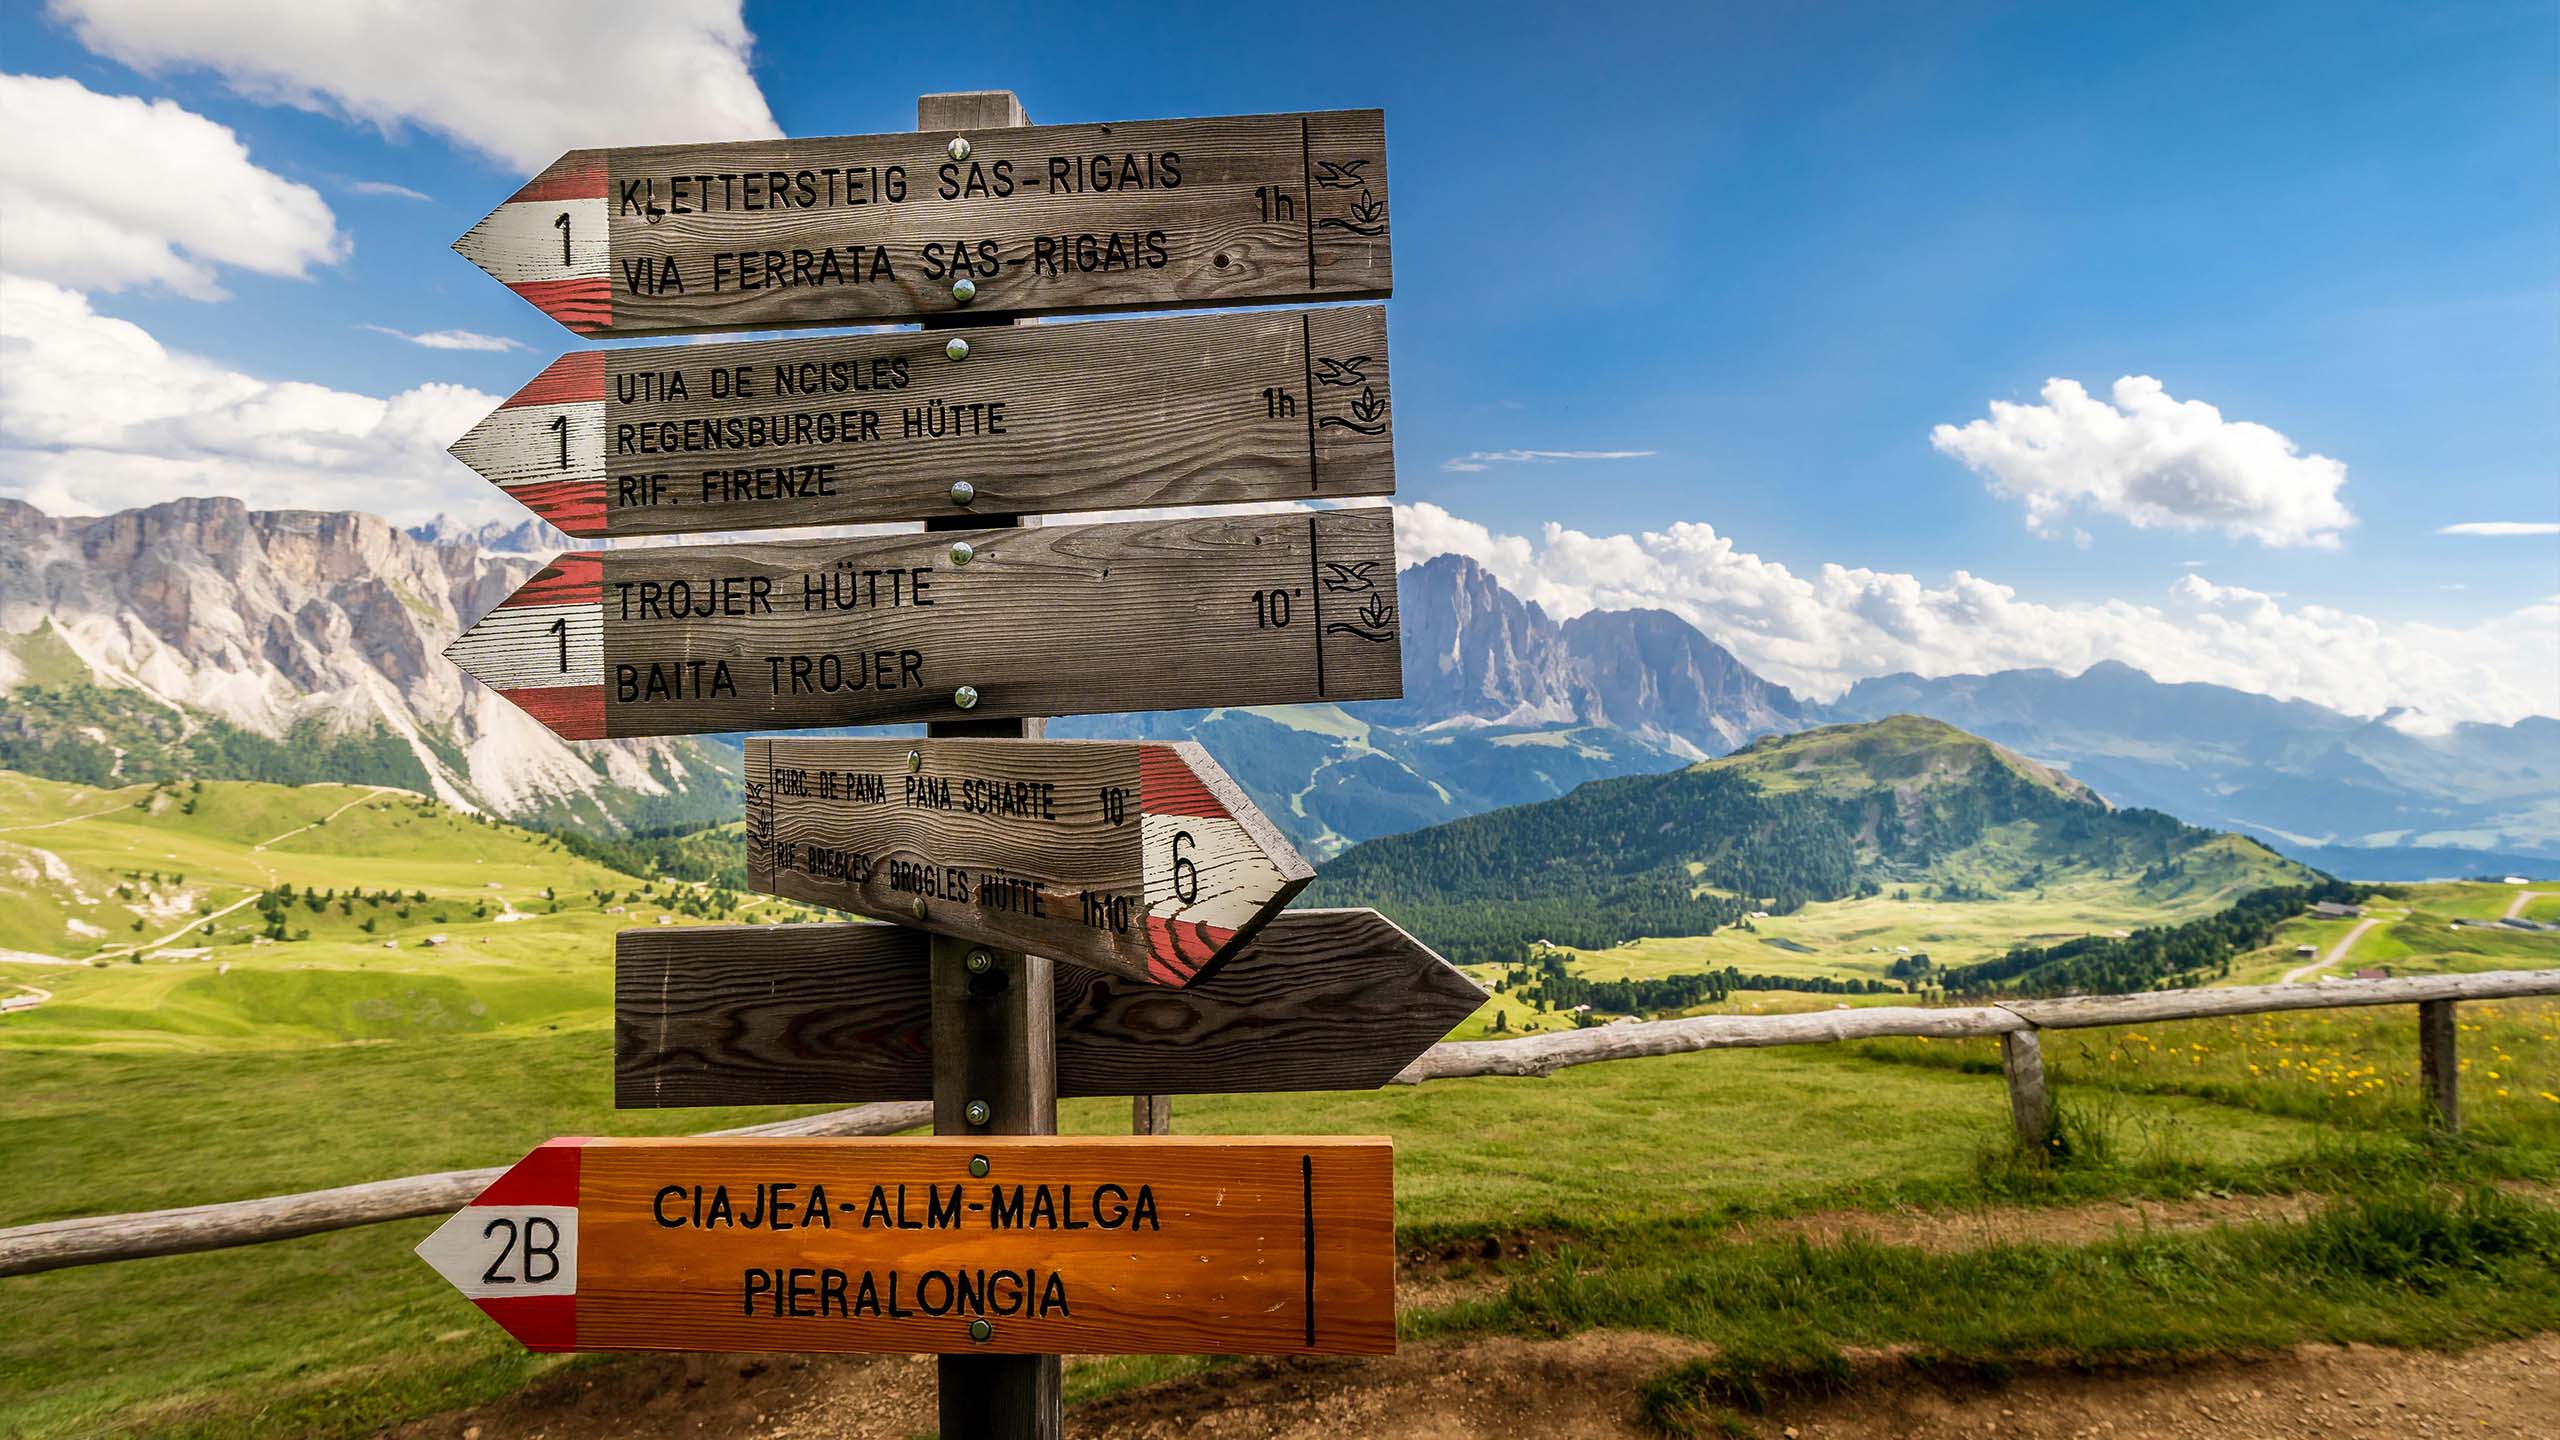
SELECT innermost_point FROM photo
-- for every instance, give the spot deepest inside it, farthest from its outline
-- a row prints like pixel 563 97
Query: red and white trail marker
pixel 1141 858
pixel 967 1245
pixel 1056 219
pixel 881 629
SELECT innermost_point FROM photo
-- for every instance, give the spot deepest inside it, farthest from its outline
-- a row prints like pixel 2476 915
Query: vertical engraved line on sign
pixel 1307 192
pixel 1315 588
pixel 658 1071
pixel 1307 353
pixel 1307 1207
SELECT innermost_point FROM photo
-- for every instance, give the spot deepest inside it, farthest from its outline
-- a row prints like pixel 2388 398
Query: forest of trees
pixel 1693 851
pixel 2149 958
pixel 52 732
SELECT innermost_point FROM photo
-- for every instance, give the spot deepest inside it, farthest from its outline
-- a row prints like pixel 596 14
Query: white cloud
pixel 385 187
pixel 2151 461
pixel 1481 459
pixel 102 192
pixel 2502 527
pixel 519 82
pixel 96 416
pixel 449 339
pixel 1818 633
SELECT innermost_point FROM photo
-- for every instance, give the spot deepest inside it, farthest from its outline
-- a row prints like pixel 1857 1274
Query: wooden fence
pixel 58 1244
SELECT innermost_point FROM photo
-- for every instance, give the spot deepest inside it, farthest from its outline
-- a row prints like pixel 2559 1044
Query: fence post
pixel 2439 1072
pixel 2030 1109
pixel 1150 1114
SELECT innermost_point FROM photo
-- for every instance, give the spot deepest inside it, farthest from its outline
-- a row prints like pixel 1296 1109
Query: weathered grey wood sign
pixel 1142 615
pixel 1139 858
pixel 1168 410
pixel 1054 219
pixel 838 1014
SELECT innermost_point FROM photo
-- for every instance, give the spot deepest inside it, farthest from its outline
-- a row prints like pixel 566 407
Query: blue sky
pixel 1769 247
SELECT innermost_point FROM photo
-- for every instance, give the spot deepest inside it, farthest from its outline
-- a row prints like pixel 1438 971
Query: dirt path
pixel 27 998
pixel 376 793
pixel 2516 906
pixel 2337 953
pixel 1582 1385
pixel 192 922
pixel 1587 1384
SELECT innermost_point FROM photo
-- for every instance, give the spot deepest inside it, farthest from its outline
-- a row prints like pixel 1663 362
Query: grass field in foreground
pixel 339 1333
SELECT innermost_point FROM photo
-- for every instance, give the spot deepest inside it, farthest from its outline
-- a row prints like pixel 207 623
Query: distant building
pixel 2378 972
pixel 2305 952
pixel 2332 910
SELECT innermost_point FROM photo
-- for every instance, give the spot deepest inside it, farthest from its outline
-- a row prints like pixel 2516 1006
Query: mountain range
pixel 202 637
pixel 1837 812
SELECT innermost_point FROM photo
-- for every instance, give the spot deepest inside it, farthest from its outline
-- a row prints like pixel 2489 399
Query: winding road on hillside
pixel 2337 953
pixel 2516 906
pixel 374 793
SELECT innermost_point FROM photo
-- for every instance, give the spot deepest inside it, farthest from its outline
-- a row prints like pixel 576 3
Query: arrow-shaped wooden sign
pixel 838 1014
pixel 1143 859
pixel 970 1245
pixel 1166 410
pixel 1237 210
pixel 1055 620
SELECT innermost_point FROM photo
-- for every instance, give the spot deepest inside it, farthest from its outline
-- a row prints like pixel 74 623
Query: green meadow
pixel 229 1064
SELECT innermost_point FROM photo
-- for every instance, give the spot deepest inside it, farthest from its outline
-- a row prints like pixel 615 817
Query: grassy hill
pixel 1904 808
pixel 215 1068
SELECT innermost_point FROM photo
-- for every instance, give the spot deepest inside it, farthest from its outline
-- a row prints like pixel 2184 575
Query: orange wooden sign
pixel 952 1245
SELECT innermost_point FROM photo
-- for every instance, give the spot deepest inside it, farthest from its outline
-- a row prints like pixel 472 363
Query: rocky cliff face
pixel 277 620
pixel 1473 651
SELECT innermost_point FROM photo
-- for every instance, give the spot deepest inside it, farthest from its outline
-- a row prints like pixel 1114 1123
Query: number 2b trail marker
pixel 1053 620
pixel 1004 420
pixel 1054 219
pixel 1141 859
pixel 973 1245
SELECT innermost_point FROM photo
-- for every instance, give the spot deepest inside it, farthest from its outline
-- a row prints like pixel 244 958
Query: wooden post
pixel 2030 1109
pixel 994 1029
pixel 2439 1071
pixel 1150 1114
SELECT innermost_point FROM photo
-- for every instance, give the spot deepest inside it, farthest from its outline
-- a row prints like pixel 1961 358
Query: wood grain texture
pixel 1060 219
pixel 771 1015
pixel 1143 858
pixel 2439 1064
pixel 1143 615
pixel 2030 1110
pixel 1278 1246
pixel 1119 414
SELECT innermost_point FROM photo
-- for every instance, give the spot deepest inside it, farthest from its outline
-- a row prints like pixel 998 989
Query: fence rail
pixel 59 1244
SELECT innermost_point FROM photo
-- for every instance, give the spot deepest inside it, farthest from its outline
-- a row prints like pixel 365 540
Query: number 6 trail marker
pixel 1141 859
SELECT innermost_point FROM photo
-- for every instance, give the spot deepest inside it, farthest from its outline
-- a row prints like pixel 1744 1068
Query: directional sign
pixel 1241 210
pixel 970 1245
pixel 838 1014
pixel 1141 859
pixel 1057 620
pixel 1168 410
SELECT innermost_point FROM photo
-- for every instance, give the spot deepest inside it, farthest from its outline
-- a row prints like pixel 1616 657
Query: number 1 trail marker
pixel 1112 414
pixel 1140 615
pixel 1050 219
pixel 973 1245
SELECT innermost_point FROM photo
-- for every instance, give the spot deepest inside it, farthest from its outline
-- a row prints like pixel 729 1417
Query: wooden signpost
pixel 972 1245
pixel 1141 859
pixel 1071 918
pixel 831 1014
pixel 1154 214
pixel 1169 410
pixel 1138 615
